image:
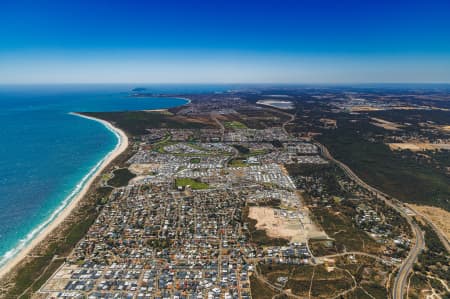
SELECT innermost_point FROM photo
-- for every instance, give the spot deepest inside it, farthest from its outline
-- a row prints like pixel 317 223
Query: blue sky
pixel 166 41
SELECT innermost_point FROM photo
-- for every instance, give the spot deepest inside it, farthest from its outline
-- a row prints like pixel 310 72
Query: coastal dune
pixel 60 215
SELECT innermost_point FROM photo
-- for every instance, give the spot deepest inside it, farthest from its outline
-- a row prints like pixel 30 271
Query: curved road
pixel 401 279
pixel 436 229
pixel 400 282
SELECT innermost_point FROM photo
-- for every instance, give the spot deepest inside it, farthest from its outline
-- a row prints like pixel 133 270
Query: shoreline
pixel 188 101
pixel 58 216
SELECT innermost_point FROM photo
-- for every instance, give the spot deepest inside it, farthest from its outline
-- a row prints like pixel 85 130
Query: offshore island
pixel 263 193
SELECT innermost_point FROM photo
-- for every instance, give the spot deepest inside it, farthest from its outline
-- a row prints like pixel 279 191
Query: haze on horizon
pixel 195 41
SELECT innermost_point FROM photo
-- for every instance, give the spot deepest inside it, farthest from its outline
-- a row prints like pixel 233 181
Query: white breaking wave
pixel 78 187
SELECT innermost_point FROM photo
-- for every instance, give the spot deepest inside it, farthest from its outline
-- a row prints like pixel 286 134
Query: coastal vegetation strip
pixel 137 122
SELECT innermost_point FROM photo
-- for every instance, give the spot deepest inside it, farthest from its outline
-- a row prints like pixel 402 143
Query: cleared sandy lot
pixel 362 108
pixel 297 229
pixel 387 125
pixel 144 168
pixel 417 147
pixel 439 217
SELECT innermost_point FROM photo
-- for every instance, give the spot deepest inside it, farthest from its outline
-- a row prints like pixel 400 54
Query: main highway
pixel 401 279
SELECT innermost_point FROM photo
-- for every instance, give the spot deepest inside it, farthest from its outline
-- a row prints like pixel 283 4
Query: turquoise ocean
pixel 46 154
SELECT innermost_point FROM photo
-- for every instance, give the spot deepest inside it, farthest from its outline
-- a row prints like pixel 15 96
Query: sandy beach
pixel 44 233
pixel 188 101
pixel 165 110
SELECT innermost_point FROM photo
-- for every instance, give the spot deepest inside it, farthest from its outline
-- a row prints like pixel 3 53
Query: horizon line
pixel 227 83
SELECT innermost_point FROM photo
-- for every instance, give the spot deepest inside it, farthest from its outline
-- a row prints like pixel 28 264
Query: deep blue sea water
pixel 45 152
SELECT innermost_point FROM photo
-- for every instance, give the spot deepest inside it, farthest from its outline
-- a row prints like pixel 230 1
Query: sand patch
pixel 387 125
pixel 276 226
pixel 143 169
pixel 295 226
pixel 364 108
pixel 60 278
pixel 161 111
pixel 439 217
pixel 419 146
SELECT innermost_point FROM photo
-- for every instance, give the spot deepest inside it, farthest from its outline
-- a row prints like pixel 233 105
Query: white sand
pixel 43 234
pixel 277 226
pixel 188 101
